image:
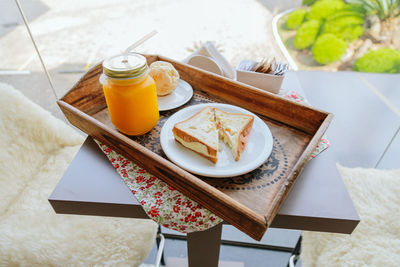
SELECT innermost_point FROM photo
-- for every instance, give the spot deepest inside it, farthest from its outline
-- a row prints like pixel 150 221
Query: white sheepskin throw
pixel 376 240
pixel 36 149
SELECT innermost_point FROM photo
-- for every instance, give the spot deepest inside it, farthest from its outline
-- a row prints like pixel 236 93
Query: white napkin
pixel 210 51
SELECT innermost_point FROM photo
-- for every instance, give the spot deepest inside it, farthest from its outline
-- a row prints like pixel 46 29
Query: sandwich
pixel 202 131
pixel 234 130
pixel 199 133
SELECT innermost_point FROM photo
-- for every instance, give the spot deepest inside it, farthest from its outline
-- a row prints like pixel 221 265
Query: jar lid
pixel 125 66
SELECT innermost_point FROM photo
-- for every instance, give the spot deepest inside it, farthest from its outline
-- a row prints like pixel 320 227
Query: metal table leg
pixel 203 247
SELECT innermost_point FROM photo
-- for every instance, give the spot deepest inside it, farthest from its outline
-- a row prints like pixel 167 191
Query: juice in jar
pixel 130 94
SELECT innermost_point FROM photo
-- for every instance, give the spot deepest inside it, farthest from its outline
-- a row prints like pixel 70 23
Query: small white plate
pixel 180 96
pixel 257 151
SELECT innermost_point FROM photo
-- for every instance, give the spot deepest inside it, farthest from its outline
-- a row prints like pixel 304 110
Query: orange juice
pixel 130 94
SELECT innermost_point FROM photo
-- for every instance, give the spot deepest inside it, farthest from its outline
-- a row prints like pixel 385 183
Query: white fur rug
pixel 376 240
pixel 36 149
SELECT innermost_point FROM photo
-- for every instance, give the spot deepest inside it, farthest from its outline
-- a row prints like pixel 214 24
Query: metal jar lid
pixel 125 66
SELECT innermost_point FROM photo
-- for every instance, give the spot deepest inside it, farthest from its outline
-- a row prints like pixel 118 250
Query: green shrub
pixel 307 2
pixel 323 9
pixel 306 34
pixel 348 28
pixel 346 19
pixel 328 48
pixel 382 8
pixel 296 18
pixel 345 12
pixel 384 60
pixel 396 67
pixel 351 33
pixel 355 9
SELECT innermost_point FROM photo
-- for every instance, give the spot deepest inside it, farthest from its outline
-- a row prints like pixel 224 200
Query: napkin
pixel 210 51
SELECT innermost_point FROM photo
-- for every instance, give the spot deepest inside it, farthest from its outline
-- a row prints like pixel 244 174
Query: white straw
pixel 36 48
pixel 140 41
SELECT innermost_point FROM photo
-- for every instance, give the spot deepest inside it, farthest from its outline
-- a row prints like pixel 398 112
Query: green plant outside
pixel 345 21
pixel 355 9
pixel 306 34
pixel 307 2
pixel 384 60
pixel 328 48
pixel 384 9
pixel 323 9
pixel 348 28
pixel 352 33
pixel 296 18
pixel 347 11
pixel 330 25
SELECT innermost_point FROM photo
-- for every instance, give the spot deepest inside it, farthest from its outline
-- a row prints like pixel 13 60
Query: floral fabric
pixel 167 206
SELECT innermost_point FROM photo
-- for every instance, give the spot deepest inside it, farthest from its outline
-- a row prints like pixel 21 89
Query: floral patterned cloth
pixel 167 206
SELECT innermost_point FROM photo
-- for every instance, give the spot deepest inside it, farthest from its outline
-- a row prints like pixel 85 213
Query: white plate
pixel 257 150
pixel 182 94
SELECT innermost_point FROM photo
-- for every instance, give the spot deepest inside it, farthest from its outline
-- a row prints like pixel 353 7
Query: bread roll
pixel 165 76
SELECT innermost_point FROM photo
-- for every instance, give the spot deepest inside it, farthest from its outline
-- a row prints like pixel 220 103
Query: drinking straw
pixel 36 48
pixel 140 41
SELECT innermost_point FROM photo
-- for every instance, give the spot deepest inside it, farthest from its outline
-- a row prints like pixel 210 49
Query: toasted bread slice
pixel 234 129
pixel 199 133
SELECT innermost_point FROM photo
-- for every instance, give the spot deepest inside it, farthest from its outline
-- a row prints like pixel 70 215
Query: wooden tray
pixel 248 202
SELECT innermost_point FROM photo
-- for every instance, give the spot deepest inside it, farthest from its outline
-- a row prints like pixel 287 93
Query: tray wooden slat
pixel 249 202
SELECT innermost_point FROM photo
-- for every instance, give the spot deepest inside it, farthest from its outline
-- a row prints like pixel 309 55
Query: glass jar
pixel 130 94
